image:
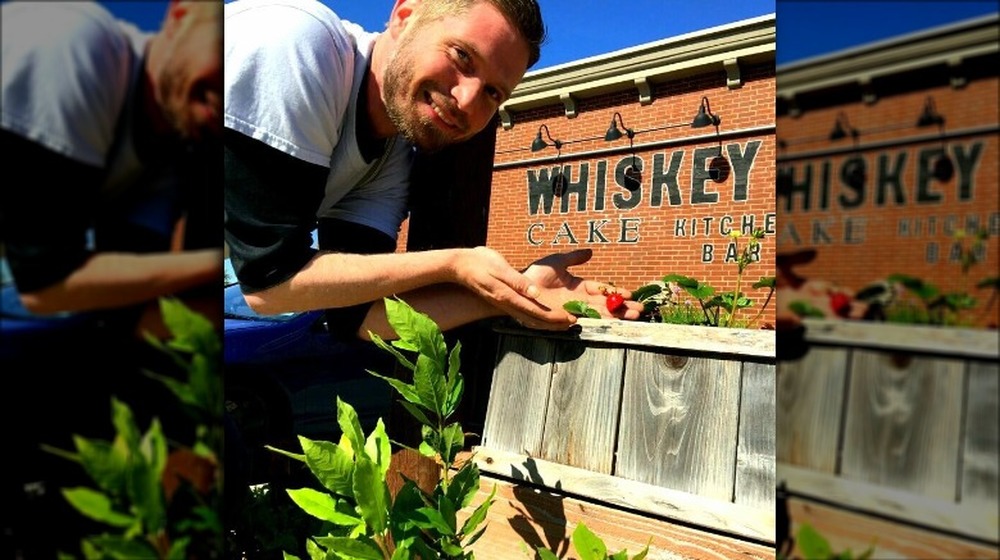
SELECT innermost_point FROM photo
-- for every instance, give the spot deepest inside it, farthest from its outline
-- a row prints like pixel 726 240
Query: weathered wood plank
pixel 854 531
pixel 739 342
pixel 974 520
pixel 981 450
pixel 679 423
pixel 584 400
pixel 734 519
pixel 903 422
pixel 964 343
pixel 524 517
pixel 755 481
pixel 809 408
pixel 519 395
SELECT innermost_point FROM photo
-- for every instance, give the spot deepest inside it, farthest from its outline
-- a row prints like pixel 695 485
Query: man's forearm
pixel 112 280
pixel 332 280
pixel 449 305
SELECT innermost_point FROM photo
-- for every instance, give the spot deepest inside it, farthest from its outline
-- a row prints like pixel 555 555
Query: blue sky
pixel 582 29
pixel 807 29
pixel 579 29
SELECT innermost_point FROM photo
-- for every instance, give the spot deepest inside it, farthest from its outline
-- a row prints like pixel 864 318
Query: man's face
pixel 189 80
pixel 446 78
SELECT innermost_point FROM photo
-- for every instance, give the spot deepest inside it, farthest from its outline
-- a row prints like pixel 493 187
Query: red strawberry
pixel 840 303
pixel 614 301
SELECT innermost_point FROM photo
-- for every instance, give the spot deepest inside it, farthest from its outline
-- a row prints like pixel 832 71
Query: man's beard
pixel 401 108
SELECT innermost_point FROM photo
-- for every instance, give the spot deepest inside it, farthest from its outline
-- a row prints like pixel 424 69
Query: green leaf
pixel 103 462
pixel 347 418
pixel 315 551
pixel 765 282
pixel 546 554
pixel 297 456
pixel 452 441
pixel 417 413
pixel 479 514
pixel 178 549
pixel 429 381
pixel 811 543
pixel 404 389
pixel 321 505
pixel 464 485
pixel 703 291
pixel 372 494
pixel 620 555
pixel 416 329
pixel 144 474
pixel 409 499
pixel 455 389
pixel 331 465
pixel 805 309
pixel 432 519
pixel 588 545
pixel 96 506
pixel 190 331
pixel 121 548
pixel 378 449
pixel 645 551
pixel 353 549
pixel 287 556
pixel 581 309
pixel 403 360
pixel 643 293
pixel 685 282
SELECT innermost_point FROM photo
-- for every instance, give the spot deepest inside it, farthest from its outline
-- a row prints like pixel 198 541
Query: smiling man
pixel 322 123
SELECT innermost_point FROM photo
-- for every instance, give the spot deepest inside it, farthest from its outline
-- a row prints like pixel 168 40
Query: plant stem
pixel 762 307
pixel 736 298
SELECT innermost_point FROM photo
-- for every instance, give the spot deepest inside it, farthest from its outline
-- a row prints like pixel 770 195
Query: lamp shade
pixel 701 119
pixel 538 144
pixel 613 132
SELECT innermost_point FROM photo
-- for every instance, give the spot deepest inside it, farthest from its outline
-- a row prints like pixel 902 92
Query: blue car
pixel 283 374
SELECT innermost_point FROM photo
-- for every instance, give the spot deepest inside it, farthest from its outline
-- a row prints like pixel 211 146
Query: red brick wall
pixel 900 233
pixel 656 241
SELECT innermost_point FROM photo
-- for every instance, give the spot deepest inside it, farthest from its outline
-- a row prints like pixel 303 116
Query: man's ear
pixel 400 17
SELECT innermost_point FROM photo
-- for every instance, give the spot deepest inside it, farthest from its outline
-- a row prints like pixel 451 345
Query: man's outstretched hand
pixel 557 285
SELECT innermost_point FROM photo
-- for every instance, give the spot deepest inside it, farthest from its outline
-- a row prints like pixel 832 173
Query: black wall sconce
pixel 614 133
pixel 558 179
pixel 705 116
pixel 633 175
pixel 841 128
pixel 943 169
pixel 718 168
pixel 930 116
pixel 539 144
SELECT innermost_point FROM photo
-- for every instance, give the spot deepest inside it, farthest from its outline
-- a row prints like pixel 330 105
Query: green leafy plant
pixel 661 301
pixel 929 304
pixel 814 546
pixel 361 519
pixel 589 546
pixel 367 523
pixel 159 497
pixel 718 309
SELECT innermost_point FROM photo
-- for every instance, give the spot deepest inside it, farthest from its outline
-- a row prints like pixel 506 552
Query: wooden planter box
pixel 888 434
pixel 674 424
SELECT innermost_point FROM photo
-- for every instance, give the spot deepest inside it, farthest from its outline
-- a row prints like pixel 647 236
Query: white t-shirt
pixel 293 71
pixel 69 87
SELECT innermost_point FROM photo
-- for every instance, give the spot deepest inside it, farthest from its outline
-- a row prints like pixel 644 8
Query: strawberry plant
pixel 719 309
